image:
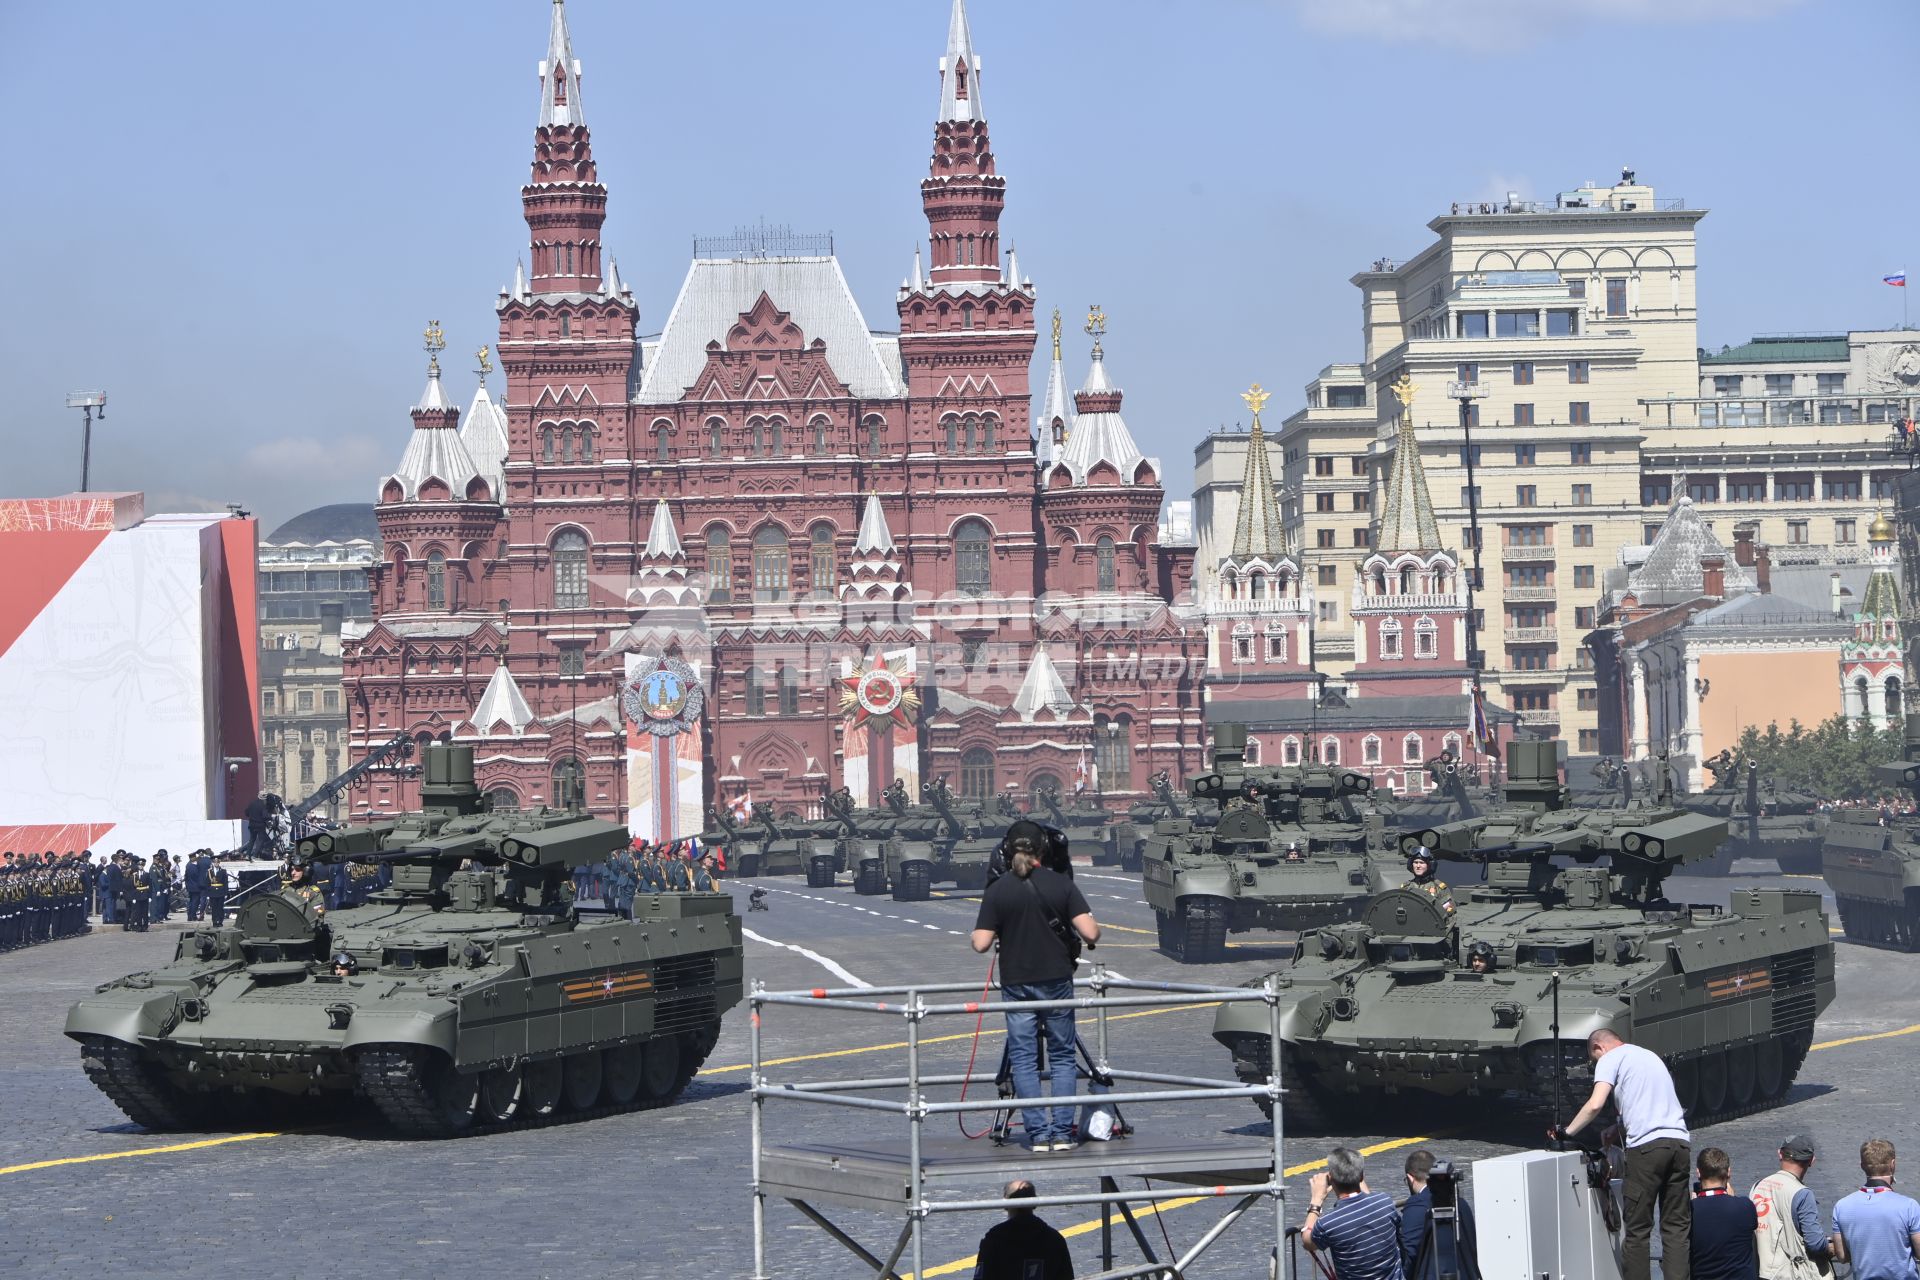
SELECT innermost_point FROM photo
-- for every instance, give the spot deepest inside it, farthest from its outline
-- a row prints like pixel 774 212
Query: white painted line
pixel 833 967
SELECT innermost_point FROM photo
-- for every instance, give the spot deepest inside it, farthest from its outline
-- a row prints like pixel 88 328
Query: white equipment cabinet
pixel 1538 1219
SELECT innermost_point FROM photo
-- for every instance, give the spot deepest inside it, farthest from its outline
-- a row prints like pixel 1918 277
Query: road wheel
pixel 582 1074
pixel 1770 1069
pixel 1743 1070
pixel 623 1066
pixel 660 1069
pixel 1713 1083
pixel 820 872
pixel 540 1086
pixel 1686 1083
pixel 499 1100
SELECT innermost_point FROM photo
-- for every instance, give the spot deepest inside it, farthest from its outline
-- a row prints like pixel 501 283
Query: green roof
pixel 1781 350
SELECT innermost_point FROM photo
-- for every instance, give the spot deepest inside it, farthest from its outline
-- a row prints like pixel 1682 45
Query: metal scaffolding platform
pixel 922 1174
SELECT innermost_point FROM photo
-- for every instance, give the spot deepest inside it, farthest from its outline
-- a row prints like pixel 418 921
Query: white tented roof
pixel 502 701
pixel 663 540
pixel 1042 687
pixel 812 290
pixel 484 433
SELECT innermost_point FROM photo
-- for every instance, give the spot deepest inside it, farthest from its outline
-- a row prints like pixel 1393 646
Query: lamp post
pixel 1465 393
pixel 87 402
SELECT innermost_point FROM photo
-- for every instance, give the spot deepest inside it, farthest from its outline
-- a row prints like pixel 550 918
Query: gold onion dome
pixel 1881 530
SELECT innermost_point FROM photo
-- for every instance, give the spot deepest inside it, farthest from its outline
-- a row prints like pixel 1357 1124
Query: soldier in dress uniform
pixel 217 893
pixel 703 881
pixel 196 878
pixel 161 871
pixel 141 889
pixel 679 878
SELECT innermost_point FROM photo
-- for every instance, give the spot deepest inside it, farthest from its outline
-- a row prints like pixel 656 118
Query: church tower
pixel 1872 668
pixel 1262 621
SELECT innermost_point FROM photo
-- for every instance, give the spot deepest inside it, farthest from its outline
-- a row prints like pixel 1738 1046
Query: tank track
pixel 1200 931
pixel 1306 1107
pixel 138 1088
pixel 392 1080
pixel 820 872
pixel 1876 923
pixel 915 883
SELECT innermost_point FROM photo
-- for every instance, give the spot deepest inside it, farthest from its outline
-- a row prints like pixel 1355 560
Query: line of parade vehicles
pixel 472 992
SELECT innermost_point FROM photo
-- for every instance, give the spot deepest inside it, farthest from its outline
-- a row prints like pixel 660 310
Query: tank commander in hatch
pixel 1421 864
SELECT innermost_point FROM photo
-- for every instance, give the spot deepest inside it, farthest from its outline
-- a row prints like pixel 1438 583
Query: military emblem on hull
pixel 664 699
pixel 879 693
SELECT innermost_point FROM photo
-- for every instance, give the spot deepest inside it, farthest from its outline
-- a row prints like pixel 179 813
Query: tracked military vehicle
pixel 1763 821
pixel 858 837
pixel 1874 868
pixel 1129 836
pixel 1291 850
pixel 1569 933
pixel 468 994
pixel 1088 825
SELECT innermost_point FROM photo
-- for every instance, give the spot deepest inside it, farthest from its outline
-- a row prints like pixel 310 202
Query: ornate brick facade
pixel 785 499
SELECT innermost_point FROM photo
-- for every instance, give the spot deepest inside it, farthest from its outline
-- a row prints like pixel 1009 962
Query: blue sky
pixel 237 217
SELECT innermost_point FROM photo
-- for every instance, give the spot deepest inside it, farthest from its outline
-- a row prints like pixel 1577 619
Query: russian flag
pixel 1898 279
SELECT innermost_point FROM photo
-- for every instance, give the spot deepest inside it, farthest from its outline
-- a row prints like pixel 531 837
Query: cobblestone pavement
pixel 666 1192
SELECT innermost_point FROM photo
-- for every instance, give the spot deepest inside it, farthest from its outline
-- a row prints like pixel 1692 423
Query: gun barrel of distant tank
pixel 571 844
pixel 1686 837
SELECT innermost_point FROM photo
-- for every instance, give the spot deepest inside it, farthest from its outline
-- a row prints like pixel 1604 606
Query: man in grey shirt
pixel 1659 1152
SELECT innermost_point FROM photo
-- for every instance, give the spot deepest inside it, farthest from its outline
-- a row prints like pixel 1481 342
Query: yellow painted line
pixel 140 1151
pixel 1829 1044
pixel 1122 928
pixel 901 1044
pixel 1165 1206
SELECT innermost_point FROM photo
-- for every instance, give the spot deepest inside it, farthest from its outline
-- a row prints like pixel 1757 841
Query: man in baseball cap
pixel 1790 1242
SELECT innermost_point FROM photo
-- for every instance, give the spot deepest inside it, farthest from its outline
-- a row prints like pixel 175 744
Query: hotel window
pixel 269 702
pixel 1656 491
pixel 1526 495
pixel 1583 535
pixel 330 700
pixel 1616 297
pixel 1583 495
pixel 1523 417
pixel 1843 531
pixel 1580 413
pixel 1586 699
pixel 1882 483
pixel 1329 611
pixel 1793 488
pixel 1748 488
pixel 1527 535
pixel 1467 372
pixel 1576 287
pixel 1470 495
pixel 1517 324
pixel 306 767
pixel 1579 371
pixel 1328 574
pixel 1589 741
pixel 1323 502
pixel 1531 699
pixel 1530 658
pixel 1363 501
pixel 1779 384
pixel 1583 576
pixel 1831 384
pixel 1523 373
pixel 1797 532
pixel 1580 455
pixel 1363 537
pixel 1323 537
pixel 1323 466
pixel 1470 453
pixel 1529 575
pixel 1705 490
pixel 1563 324
pixel 1471 324
pixel 1359 465
pixel 1648 532
pixel 1524 454
pixel 1583 617
pixel 306 699
pixel 1844 487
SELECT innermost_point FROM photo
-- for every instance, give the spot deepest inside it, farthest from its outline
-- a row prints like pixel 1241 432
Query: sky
pixel 236 217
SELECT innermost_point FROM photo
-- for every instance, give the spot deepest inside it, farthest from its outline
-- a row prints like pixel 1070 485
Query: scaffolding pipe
pixel 1214 1191
pixel 759 1140
pixel 916 1116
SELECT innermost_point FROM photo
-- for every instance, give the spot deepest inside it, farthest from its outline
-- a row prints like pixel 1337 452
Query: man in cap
pixel 217 893
pixel 1421 864
pixel 1725 1229
pixel 1791 1241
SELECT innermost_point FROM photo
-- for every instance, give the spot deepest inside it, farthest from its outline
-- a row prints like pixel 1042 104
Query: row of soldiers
pixel 136 893
pixel 647 869
pixel 43 897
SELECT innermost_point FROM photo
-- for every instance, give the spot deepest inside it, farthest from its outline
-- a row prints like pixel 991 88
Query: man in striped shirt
pixel 1358 1229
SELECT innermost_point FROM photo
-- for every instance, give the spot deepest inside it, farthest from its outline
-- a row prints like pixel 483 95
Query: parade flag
pixel 1481 730
pixel 1080 772
pixel 742 807
pixel 1898 279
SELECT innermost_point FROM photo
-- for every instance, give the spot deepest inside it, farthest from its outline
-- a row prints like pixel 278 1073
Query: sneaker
pixel 1065 1144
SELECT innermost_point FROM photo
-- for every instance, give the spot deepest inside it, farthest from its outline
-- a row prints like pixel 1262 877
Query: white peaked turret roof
pixel 960 55
pixel 502 701
pixel 1042 688
pixel 1053 404
pixel 1259 530
pixel 484 433
pixel 560 75
pixel 663 540
pixel 1671 573
pixel 1101 435
pixel 434 450
pixel 875 539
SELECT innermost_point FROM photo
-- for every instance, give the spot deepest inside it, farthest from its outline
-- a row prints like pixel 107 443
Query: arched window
pixel 820 437
pixel 772 576
pixel 1290 751
pixel 1426 638
pixel 586 442
pixel 719 565
pixel 1229 585
pixel 716 437
pixel 756 691
pixel 876 435
pixel 1329 750
pixel 1276 644
pixel 969 425
pixel 546 444
pixel 663 444
pixel 1256 582
pixel 759 426
pixel 503 800
pixel 1107 577
pixel 1390 638
pixel 966 311
pixel 821 551
pixel 569 784
pixel 436 579
pixel 566 443
pixel 1369 749
pixel 973 557
pixel 1451 745
pixel 1412 751
pixel 1113 752
pixel 776 437
pixel 952 425
pixel 976 773
pixel 570 570
pixel 1893 698
pixel 1253 751
pixel 989 431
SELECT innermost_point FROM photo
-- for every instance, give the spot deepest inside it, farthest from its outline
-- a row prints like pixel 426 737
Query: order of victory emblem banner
pixel 664 699
pixel 879 693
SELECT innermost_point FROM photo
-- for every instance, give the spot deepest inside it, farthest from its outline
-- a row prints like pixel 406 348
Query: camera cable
pixel 980 1017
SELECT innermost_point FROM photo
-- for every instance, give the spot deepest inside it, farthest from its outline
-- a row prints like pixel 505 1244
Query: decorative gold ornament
pixel 485 357
pixel 433 342
pixel 1403 390
pixel 1256 398
pixel 1056 335
pixel 1096 323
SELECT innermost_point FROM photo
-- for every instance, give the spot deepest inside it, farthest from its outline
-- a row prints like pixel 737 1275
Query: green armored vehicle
pixel 1763 821
pixel 468 994
pixel 1129 836
pixel 765 845
pixel 1088 825
pixel 1291 850
pixel 1568 934
pixel 1874 868
pixel 973 831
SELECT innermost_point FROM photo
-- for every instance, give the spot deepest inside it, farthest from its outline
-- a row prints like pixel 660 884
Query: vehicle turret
pixel 1870 857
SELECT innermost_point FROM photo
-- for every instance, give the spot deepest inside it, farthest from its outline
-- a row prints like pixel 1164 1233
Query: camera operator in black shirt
pixel 1040 919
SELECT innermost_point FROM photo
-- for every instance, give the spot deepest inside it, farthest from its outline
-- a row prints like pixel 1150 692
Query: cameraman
pixel 1039 918
pixel 1416 1222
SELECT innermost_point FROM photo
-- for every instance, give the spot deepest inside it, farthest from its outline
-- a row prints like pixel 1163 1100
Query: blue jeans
pixel 1023 1056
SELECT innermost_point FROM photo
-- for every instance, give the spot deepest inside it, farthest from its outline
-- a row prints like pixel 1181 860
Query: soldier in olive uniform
pixel 297 887
pixel 679 879
pixel 1424 881
pixel 162 872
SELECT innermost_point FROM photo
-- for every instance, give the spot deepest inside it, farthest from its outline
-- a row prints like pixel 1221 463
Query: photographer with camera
pixel 1434 1185
pixel 1039 918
